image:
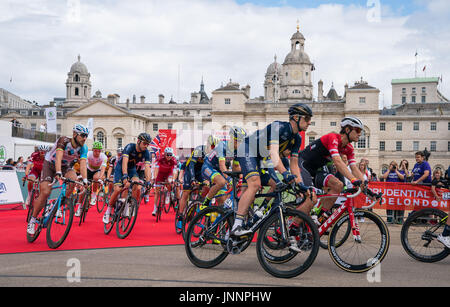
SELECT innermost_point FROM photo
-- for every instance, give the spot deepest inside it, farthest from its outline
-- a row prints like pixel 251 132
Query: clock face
pixel 296 75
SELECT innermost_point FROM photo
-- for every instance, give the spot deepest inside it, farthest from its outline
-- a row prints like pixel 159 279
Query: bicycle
pixel 103 196
pixel 419 233
pixel 195 201
pixel 366 249
pixel 34 193
pixel 209 234
pixel 56 217
pixel 125 213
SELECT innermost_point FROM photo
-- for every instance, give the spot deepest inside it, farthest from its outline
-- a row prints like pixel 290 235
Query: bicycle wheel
pixel 59 224
pixel 160 206
pixel 189 216
pixel 38 225
pixel 112 220
pixel 360 255
pixel 34 194
pixel 206 237
pixel 419 233
pixel 324 238
pixel 127 218
pixel 101 201
pixel 166 205
pixel 178 230
pixel 277 258
pixel 84 207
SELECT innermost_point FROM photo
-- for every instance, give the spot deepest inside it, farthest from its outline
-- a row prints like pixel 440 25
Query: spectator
pixel 447 174
pixel 43 128
pixel 19 163
pixel 9 164
pixel 363 169
pixel 394 174
pixel 437 182
pixel 421 170
pixel 404 165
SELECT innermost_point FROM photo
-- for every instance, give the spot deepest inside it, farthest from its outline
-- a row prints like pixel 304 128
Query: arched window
pixel 77 91
pixel 364 140
pixel 76 78
pixel 100 137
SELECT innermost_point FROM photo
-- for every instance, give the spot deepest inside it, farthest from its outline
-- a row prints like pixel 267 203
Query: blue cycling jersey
pixel 221 152
pixel 134 156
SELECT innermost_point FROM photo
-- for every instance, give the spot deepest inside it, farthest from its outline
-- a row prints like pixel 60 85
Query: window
pixel 433 126
pixel 227 101
pixel 413 90
pixel 448 126
pixel 58 128
pixel 155 127
pixel 313 138
pixel 119 142
pixel 415 145
pixel 362 99
pixel 433 146
pixel 448 146
pixel 362 142
pixel 382 145
pixel 76 78
pixel 100 137
pixel 333 124
pixel 424 90
pixel 399 126
pixel 33 126
pixel 404 99
pixel 169 126
pixel 413 99
pixel 424 99
pixel 398 146
pixel 416 126
pixel 255 124
pixel 382 126
pixel 77 91
pixel 314 123
pixel 404 90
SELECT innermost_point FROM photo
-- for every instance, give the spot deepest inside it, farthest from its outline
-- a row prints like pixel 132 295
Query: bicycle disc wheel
pixel 59 224
pixel 127 218
pixel 357 256
pixel 206 237
pixel 189 216
pixel 276 257
pixel 419 233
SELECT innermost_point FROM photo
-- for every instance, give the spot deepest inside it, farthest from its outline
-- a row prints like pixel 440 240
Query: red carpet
pixel 90 235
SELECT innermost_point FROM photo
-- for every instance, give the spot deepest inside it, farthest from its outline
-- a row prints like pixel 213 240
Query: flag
pixel 155 144
pixel 90 126
pixel 50 115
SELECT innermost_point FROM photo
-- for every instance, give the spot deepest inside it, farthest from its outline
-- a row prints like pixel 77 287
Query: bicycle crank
pixel 234 246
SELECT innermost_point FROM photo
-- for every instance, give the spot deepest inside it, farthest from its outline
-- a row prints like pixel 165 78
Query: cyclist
pixel 34 168
pixel 216 163
pixel 192 174
pixel 126 169
pixel 96 165
pixel 57 163
pixel 112 165
pixel 164 168
pixel 313 161
pixel 270 141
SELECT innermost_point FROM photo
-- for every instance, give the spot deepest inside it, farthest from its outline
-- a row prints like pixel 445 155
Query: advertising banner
pixel 405 196
pixel 10 192
pixel 50 115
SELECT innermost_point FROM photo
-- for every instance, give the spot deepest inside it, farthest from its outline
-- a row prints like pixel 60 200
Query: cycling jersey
pixel 37 163
pixel 95 164
pixel 165 167
pixel 321 151
pixel 192 170
pixel 221 152
pixel 70 153
pixel 134 156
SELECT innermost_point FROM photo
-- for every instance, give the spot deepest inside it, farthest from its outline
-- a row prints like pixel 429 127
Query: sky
pixel 152 47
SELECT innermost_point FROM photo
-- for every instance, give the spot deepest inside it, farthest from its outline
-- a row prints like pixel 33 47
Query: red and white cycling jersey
pixel 321 151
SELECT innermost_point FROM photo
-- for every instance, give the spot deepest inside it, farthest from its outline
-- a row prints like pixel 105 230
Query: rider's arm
pixel 275 157
pixel 29 166
pixel 295 170
pixel 342 168
pixel 124 164
pixel 83 168
pixel 58 159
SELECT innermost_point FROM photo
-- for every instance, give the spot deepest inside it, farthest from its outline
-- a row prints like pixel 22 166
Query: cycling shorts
pixel 187 180
pixel 132 173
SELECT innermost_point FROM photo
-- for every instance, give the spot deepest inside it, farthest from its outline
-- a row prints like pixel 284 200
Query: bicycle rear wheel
pixel 419 233
pixel 276 257
pixel 102 200
pixel 59 224
pixel 112 220
pixel 206 237
pixel 160 206
pixel 127 218
pixel 357 256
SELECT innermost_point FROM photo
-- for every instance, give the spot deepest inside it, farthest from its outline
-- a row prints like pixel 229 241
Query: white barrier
pixel 10 192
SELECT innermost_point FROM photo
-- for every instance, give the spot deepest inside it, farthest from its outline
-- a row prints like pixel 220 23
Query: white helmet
pixel 43 148
pixel 353 122
pixel 168 150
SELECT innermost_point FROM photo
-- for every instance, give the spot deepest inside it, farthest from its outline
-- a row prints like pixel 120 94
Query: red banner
pixel 405 196
pixel 165 138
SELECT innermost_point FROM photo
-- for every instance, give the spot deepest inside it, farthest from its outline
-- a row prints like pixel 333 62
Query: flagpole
pixel 415 72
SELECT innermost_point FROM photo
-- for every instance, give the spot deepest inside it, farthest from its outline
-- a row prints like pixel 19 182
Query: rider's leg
pixel 331 185
pixel 247 198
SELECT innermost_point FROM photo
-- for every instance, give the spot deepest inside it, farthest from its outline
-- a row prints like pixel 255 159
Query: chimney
pixel 161 98
pixel 320 91
pixel 142 99
pixel 247 90
pixel 134 98
pixel 128 103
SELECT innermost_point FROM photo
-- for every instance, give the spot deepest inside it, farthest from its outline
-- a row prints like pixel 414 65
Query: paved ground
pixel 169 266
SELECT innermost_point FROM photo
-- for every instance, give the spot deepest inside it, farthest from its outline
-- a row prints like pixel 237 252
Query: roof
pixel 415 80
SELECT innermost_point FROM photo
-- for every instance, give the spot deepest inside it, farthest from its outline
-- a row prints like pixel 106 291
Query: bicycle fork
pixel 355 226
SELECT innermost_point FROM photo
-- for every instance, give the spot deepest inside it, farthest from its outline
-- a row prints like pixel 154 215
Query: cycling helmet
pixel 97 145
pixel 213 140
pixel 237 133
pixel 300 109
pixel 168 150
pixel 43 148
pixel 108 154
pixel 119 150
pixel 145 137
pixel 200 151
pixel 353 122
pixel 80 129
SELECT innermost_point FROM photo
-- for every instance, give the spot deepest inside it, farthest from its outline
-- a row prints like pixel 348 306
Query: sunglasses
pixel 358 130
pixel 145 143
pixel 307 118
pixel 83 135
pixel 168 155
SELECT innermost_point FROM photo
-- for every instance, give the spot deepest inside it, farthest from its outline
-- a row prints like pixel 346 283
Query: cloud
pixel 141 47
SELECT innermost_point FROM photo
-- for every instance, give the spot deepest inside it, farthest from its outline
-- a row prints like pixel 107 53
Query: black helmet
pixel 145 137
pixel 200 151
pixel 300 109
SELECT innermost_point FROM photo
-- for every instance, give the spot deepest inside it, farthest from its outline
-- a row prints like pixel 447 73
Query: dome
pixel 297 56
pixel 273 68
pixel 297 35
pixel 79 67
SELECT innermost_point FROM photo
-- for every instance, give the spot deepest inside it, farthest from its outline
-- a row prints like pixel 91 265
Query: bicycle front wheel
pixel 274 249
pixel 59 224
pixel 206 237
pixel 127 218
pixel 419 233
pixel 357 255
